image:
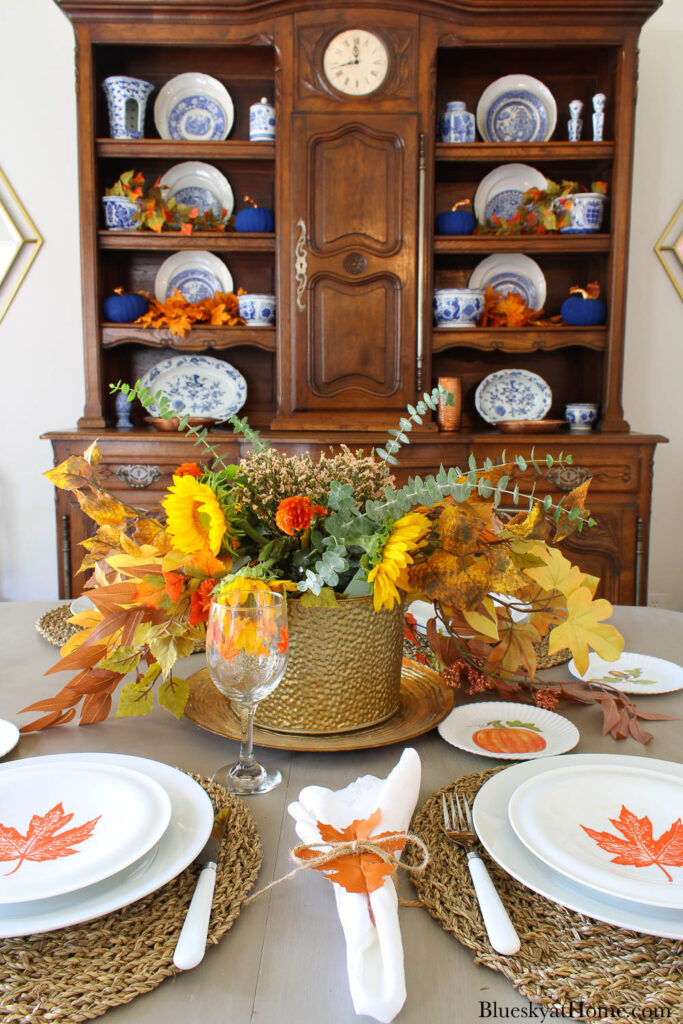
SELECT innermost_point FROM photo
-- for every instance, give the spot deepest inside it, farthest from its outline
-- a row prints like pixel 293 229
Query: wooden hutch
pixel 355 182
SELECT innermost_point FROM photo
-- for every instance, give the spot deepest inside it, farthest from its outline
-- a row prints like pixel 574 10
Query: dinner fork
pixel 459 828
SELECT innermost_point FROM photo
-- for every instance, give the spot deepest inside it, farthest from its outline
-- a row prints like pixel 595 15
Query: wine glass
pixel 246 648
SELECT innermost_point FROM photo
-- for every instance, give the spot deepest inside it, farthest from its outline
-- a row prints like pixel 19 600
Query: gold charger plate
pixel 425 701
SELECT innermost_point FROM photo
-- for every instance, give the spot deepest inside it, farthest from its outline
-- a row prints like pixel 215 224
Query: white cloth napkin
pixel 374 952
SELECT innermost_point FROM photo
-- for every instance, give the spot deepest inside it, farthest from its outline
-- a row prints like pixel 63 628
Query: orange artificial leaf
pixel 174 584
pixel 357 872
pixel 639 848
pixel 41 841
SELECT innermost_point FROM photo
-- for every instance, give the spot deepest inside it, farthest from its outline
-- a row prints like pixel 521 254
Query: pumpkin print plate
pixel 73 826
pixel 615 829
pixel 509 731
pixel 633 673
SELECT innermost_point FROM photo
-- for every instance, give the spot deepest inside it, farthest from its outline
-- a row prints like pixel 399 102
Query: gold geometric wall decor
pixel 669 249
pixel 19 243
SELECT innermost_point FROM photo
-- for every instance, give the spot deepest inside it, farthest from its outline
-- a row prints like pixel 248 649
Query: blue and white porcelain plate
pixel 512 273
pixel 196 275
pixel 516 108
pixel 198 386
pixel 513 395
pixel 202 185
pixel 194 106
pixel 500 192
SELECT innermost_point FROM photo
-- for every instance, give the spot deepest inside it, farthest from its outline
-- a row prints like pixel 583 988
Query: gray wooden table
pixel 284 960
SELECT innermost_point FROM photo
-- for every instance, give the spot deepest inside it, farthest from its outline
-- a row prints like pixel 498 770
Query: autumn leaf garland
pixel 180 316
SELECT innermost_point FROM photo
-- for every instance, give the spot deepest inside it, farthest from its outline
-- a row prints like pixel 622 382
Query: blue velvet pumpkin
pixel 582 312
pixel 123 308
pixel 455 222
pixel 255 218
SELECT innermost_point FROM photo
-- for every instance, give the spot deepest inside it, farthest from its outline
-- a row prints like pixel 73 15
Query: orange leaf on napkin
pixel 357 872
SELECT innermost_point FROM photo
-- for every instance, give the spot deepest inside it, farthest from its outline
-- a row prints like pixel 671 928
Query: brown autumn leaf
pixel 516 648
pixel 42 841
pixel 575 499
pixel 452 580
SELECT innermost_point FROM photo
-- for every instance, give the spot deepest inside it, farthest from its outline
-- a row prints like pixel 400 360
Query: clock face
pixel 356 62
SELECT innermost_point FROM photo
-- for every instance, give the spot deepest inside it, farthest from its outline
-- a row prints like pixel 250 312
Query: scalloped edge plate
pixel 465 721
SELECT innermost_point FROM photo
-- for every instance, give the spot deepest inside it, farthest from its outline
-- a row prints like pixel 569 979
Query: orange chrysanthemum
pixel 201 602
pixel 189 469
pixel 296 514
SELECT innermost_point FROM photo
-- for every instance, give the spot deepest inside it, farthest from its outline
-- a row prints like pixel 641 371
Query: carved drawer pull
pixel 568 477
pixel 137 475
pixel 301 266
pixel 355 263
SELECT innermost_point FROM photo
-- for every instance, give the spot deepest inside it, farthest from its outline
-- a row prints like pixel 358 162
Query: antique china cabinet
pixel 356 176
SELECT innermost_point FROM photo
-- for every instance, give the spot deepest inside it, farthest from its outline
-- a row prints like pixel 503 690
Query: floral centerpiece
pixel 326 532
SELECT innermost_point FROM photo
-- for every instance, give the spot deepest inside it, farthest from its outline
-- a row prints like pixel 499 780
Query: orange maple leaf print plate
pixel 614 829
pixel 73 826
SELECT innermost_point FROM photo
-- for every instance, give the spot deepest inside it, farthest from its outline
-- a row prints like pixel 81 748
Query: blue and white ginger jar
pixel 457 124
pixel 126 101
pixel 262 121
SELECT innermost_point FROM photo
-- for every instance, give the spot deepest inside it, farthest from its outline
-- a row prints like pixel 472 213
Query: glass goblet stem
pixel 246 767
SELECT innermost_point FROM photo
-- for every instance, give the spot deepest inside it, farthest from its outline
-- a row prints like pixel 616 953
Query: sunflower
pixel 406 535
pixel 195 519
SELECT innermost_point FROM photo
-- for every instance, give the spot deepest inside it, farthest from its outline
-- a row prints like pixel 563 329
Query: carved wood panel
pixel 355 190
pixel 339 312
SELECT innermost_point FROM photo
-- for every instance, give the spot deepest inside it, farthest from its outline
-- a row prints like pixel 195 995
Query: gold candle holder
pixel 449 416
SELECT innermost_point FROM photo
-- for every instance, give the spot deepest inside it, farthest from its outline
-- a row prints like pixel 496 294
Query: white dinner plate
pixel 73 826
pixel 500 191
pixel 198 386
pixel 516 108
pixel 633 673
pixel 508 730
pixel 194 183
pixel 493 827
pixel 592 822
pixel 196 274
pixel 9 736
pixel 513 395
pixel 511 272
pixel 194 106
pixel 189 828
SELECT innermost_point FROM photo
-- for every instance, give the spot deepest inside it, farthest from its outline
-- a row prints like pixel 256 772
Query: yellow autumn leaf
pixel 88 617
pixel 529 526
pixel 92 454
pixel 516 648
pixel 135 699
pixel 103 508
pixel 584 627
pixel 168 648
pixel 173 695
pixel 557 574
pixel 485 622
pixel 74 642
pixel 71 474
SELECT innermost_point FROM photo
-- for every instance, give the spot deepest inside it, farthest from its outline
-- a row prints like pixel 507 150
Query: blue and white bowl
pixel 126 101
pixel 586 212
pixel 257 310
pixel 457 307
pixel 261 121
pixel 581 417
pixel 119 213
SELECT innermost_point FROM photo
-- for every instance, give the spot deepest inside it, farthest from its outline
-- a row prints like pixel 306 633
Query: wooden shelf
pixel 523 151
pixel 526 339
pixel 173 241
pixel 565 244
pixel 185 149
pixel 199 339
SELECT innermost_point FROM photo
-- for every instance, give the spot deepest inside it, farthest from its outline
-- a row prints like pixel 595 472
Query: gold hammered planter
pixel 343 670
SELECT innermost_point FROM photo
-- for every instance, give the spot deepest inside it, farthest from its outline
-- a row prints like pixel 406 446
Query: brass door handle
pixel 138 475
pixel 301 266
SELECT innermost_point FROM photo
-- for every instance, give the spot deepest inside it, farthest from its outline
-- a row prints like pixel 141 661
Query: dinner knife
pixel 191 944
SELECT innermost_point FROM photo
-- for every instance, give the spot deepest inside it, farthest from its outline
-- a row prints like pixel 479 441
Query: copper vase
pixel 448 416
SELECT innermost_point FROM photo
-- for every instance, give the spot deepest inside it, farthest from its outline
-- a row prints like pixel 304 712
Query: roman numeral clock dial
pixel 356 62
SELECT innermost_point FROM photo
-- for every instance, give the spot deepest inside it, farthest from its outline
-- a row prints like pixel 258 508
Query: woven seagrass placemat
pixel 565 957
pixel 78 973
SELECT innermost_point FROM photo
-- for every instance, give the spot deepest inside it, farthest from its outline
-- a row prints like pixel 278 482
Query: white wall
pixel 654 337
pixel 40 336
pixel 41 360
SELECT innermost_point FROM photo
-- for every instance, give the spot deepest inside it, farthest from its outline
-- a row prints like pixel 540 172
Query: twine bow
pixel 304 858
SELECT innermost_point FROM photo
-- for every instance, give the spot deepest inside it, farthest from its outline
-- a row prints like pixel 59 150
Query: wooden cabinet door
pixel 354 195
